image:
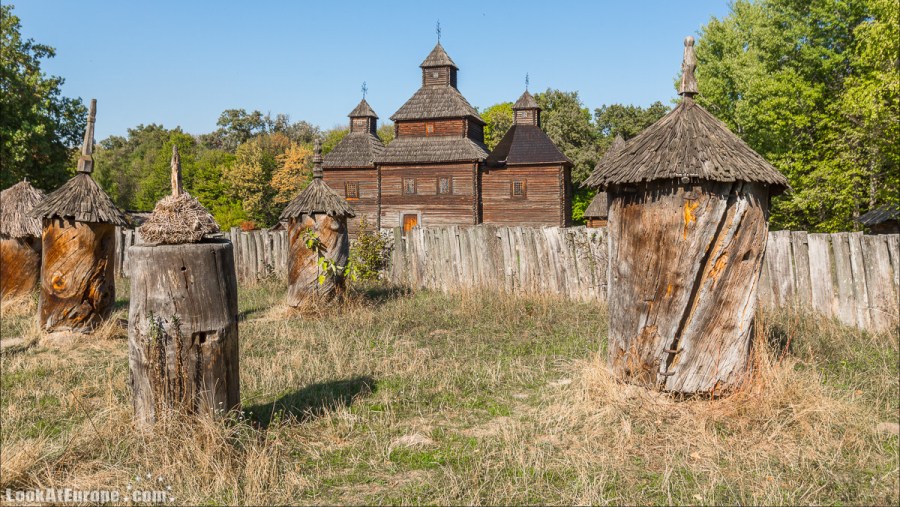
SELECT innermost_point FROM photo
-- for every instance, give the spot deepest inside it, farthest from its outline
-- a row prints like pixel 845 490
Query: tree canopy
pixel 38 125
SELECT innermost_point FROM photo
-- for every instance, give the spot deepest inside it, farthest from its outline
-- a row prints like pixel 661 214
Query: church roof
pixel 526 101
pixel 356 149
pixel 435 102
pixel 438 58
pixel 526 144
pixel 432 150
pixel 363 109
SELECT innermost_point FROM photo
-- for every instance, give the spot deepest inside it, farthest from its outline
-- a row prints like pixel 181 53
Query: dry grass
pixel 467 399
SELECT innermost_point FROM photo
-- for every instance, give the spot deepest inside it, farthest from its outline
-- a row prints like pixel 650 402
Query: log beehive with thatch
pixel 319 246
pixel 182 321
pixel 596 214
pixel 20 240
pixel 688 209
pixel 79 245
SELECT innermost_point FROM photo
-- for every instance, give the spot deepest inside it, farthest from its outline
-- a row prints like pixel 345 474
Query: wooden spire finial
pixel 526 81
pixel 86 161
pixel 688 86
pixel 317 160
pixel 438 30
pixel 177 189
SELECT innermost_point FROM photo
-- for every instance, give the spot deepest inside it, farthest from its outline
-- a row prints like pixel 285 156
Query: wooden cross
pixel 438 30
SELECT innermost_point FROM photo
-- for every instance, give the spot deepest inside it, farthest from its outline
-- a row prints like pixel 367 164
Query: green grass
pixel 483 398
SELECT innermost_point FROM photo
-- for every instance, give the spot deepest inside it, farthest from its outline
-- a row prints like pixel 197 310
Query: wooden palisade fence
pixel 850 276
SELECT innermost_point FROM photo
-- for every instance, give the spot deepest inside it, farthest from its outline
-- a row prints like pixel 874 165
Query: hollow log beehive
pixel 20 241
pixel 183 316
pixel 688 209
pixel 318 242
pixel 78 249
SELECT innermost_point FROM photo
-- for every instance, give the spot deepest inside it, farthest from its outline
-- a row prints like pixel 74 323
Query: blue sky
pixel 183 63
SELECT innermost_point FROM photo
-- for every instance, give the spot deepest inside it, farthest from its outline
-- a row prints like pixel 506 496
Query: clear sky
pixel 181 63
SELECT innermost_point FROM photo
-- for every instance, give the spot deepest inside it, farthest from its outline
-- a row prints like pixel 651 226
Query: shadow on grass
pixel 313 400
pixel 379 294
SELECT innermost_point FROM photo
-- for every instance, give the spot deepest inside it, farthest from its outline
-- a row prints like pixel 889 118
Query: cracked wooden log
pixel 183 330
pixel 20 266
pixel 684 268
pixel 331 241
pixel 78 289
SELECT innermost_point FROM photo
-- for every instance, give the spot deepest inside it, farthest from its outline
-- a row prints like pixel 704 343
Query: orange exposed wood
pixel 77 279
pixel 20 266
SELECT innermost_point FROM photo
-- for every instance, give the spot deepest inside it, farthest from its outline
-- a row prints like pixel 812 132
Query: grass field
pixel 477 398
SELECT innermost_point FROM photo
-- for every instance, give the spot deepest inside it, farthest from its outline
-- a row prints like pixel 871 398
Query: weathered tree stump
pixel 183 330
pixel 331 242
pixel 20 266
pixel 78 287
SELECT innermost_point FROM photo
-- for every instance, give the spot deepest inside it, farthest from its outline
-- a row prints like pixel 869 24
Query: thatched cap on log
pixel 178 218
pixel 317 197
pixel 81 198
pixel 16 203
pixel 689 143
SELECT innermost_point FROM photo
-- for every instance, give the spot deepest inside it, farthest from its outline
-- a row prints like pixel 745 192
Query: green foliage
pixel 386 133
pixel 498 118
pixel 332 137
pixel 249 177
pixel 369 253
pixel 625 120
pixel 237 126
pixel 38 126
pixel 327 267
pixel 581 199
pixel 568 123
pixel 813 87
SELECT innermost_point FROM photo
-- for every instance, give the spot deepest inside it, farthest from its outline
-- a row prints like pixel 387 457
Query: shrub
pixel 369 252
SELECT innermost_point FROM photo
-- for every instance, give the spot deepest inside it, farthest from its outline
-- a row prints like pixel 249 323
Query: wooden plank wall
pixel 852 277
pixel 257 254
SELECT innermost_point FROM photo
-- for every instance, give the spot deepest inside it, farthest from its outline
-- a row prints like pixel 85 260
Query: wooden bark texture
pixel 20 266
pixel 684 268
pixel 78 287
pixel 303 267
pixel 183 330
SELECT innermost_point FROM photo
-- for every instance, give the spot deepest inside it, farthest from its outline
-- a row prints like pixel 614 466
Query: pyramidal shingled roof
pixel 438 58
pixel 434 102
pixel 526 144
pixel 526 101
pixel 363 109
pixel 356 149
pixel 317 197
pixel 687 142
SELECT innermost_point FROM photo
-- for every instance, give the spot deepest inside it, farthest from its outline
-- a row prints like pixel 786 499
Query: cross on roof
pixel 364 89
pixel 526 81
pixel 438 30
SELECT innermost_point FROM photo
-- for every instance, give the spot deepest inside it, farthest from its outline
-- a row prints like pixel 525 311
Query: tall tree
pixel 812 86
pixel 498 120
pixel 568 123
pixel 38 125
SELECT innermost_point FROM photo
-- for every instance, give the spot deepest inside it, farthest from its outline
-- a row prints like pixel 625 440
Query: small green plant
pixel 369 253
pixel 327 267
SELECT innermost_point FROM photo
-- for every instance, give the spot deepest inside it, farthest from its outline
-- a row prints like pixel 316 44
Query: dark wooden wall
pixel 546 200
pixel 457 208
pixel 367 203
pixel 452 127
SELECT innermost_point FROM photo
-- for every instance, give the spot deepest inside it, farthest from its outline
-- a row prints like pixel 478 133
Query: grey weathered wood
pixel 781 268
pixel 183 330
pixel 800 255
pixel 860 290
pixel 882 298
pixel 822 290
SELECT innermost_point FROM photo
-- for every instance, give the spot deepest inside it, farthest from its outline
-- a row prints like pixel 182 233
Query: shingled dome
pixel 689 142
pixel 16 203
pixel 317 197
pixel 81 198
pixel 363 109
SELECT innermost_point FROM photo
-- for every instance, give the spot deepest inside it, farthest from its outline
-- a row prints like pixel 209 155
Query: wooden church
pixel 437 170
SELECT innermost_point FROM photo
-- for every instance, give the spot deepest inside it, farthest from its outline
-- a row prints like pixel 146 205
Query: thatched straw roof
pixel 405 150
pixel 688 142
pixel 317 197
pixel 16 203
pixel 80 197
pixel 178 218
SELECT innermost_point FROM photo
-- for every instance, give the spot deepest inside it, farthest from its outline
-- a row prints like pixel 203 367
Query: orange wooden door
pixel 409 221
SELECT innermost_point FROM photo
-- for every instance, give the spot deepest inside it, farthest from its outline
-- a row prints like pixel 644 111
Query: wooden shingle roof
pixel 435 102
pixel 526 101
pixel 432 150
pixel 880 215
pixel 356 149
pixel 438 58
pixel 598 208
pixel 526 144
pixel 81 198
pixel 317 197
pixel 689 142
pixel 16 203
pixel 362 110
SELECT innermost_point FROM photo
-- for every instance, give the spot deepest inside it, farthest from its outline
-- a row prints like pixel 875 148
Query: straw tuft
pixel 176 220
